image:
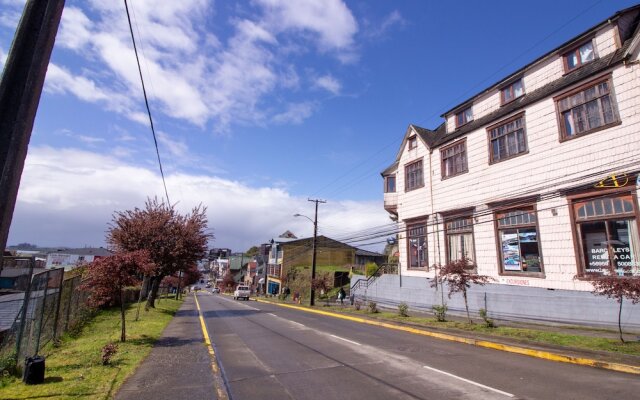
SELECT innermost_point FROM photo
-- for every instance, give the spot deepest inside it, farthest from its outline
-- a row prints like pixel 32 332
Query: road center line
pixel 346 340
pixel 469 381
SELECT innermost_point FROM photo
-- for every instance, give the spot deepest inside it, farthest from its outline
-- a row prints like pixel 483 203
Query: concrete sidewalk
pixel 179 365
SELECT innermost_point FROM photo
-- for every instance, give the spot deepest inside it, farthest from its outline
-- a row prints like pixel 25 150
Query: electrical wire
pixel 146 102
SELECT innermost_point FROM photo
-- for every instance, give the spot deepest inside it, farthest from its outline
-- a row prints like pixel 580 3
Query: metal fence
pixel 37 309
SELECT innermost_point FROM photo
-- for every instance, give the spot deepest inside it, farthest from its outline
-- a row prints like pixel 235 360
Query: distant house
pixel 70 258
pixel 364 257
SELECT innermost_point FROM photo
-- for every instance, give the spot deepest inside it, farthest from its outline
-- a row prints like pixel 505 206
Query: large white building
pixel 535 177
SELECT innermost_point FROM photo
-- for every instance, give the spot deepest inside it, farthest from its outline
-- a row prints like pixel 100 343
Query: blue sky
pixel 258 105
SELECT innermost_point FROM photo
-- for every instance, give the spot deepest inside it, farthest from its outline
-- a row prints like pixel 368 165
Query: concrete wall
pixel 505 302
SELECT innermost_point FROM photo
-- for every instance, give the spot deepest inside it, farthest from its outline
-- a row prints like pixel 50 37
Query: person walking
pixel 341 295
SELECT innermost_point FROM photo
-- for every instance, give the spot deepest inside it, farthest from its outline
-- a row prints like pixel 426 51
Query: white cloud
pixel 328 83
pixel 53 207
pixel 331 20
pixel 394 18
pixel 295 113
pixel 176 148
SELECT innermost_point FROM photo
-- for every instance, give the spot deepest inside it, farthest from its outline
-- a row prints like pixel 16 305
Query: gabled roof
pixel 367 253
pixel 321 241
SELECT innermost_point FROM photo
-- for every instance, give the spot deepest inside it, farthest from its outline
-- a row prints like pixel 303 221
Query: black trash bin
pixel 33 370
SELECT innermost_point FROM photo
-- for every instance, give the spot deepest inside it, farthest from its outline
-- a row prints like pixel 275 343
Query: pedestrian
pixel 286 292
pixel 296 297
pixel 341 295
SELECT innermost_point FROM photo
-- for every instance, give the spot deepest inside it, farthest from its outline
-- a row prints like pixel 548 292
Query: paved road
pixel 270 352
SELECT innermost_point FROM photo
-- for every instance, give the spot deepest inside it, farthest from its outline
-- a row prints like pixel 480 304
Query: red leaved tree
pixel 618 288
pixel 107 277
pixel 228 281
pixel 175 242
pixel 459 276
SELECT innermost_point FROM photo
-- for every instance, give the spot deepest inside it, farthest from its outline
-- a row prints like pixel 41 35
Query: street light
pixel 313 257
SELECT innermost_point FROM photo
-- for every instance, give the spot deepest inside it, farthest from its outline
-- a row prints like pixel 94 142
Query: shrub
pixel 357 305
pixel 440 311
pixel 403 309
pixel 373 307
pixel 370 269
pixel 488 322
pixel 108 351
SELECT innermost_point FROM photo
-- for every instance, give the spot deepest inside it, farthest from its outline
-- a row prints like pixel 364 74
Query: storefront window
pixel 417 245
pixel 608 234
pixel 519 242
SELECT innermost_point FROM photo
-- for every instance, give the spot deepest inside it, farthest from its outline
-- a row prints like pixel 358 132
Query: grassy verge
pixel 74 368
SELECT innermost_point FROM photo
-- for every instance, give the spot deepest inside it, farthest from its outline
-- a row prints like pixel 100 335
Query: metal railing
pixel 382 269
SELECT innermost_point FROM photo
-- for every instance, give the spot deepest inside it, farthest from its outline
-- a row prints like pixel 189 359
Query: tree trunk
pixel 123 331
pixel 466 305
pixel 145 280
pixel 151 300
pixel 619 320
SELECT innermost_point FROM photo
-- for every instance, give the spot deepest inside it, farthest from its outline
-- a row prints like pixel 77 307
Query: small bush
pixel 357 305
pixel 373 307
pixel 440 311
pixel 370 269
pixel 109 351
pixel 488 322
pixel 8 364
pixel 403 309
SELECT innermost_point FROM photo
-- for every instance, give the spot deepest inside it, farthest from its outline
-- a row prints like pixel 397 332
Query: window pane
pixel 510 250
pixel 518 90
pixel 468 116
pixel 568 123
pixel 586 52
pixel 607 110
pixel 529 250
pixel 593 114
pixel 572 60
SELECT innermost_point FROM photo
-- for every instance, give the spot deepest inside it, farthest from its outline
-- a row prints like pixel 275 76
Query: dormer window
pixel 511 92
pixel 413 142
pixel 463 117
pixel 579 56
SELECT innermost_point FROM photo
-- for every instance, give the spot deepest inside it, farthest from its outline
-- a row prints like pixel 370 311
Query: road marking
pixel 288 320
pixel 470 381
pixel 298 323
pixel 613 366
pixel 240 304
pixel 217 381
pixel 346 340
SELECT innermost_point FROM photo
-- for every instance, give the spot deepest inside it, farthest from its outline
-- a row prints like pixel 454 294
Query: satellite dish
pixel 391 240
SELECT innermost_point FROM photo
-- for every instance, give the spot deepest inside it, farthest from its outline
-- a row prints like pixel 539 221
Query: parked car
pixel 242 292
pixel 216 290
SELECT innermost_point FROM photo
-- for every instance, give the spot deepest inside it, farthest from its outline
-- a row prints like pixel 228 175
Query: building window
pixel 507 140
pixel 511 92
pixel 417 245
pixel 459 233
pixel 454 159
pixel 579 56
pixel 390 184
pixel 518 241
pixel 607 232
pixel 413 142
pixel 464 117
pixel 413 176
pixel 586 110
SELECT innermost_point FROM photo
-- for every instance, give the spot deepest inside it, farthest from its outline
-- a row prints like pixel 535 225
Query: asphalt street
pixel 271 352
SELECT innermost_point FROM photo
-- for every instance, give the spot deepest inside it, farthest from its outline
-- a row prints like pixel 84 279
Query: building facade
pixel 535 178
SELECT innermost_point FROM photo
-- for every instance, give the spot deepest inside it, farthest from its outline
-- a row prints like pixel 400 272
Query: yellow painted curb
pixel 217 382
pixel 630 369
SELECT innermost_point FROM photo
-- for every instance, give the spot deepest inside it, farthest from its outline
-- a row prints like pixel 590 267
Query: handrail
pixel 373 277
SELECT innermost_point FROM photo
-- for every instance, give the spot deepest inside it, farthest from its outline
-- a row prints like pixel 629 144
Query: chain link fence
pixel 36 307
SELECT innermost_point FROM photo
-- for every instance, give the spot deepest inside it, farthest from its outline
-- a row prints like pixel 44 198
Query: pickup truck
pixel 242 292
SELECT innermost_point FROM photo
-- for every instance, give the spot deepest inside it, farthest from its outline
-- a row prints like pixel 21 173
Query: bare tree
pixel 616 287
pixel 459 276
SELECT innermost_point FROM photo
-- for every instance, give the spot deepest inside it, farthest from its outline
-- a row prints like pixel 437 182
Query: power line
pixel 146 102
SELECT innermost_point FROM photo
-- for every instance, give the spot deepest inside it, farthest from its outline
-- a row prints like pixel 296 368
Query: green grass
pixel 74 369
pixel 590 342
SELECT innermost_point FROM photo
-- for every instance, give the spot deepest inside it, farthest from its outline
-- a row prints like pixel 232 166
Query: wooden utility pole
pixel 312 301
pixel 20 91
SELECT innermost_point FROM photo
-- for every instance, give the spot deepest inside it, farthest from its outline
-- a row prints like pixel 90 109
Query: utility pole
pixel 312 301
pixel 20 90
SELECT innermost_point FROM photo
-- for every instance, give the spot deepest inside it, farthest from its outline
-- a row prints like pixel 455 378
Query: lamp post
pixel 313 257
